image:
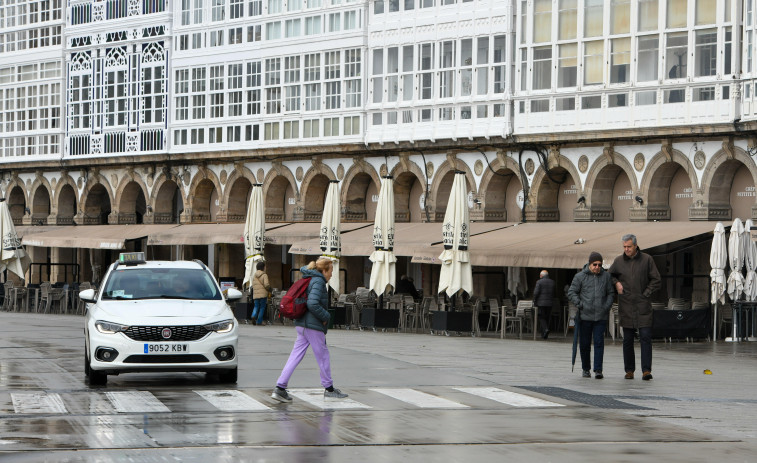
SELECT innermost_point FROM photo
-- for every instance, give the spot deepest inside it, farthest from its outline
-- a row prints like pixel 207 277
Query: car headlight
pixel 220 327
pixel 109 327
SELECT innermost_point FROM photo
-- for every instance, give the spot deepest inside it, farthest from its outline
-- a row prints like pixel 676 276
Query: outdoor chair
pixel 525 310
pixel 410 312
pixel 8 294
pixel 81 306
pixel 725 318
pixel 494 312
pixel 18 295
pixel 425 312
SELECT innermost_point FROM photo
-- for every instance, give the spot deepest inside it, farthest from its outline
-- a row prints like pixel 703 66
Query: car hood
pixel 159 311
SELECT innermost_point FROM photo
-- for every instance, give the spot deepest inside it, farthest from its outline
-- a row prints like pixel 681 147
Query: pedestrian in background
pixel 311 331
pixel 635 277
pixel 544 297
pixel 592 292
pixel 260 290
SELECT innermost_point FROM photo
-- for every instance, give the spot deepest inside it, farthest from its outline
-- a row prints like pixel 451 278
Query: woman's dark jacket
pixel 592 294
pixel 318 301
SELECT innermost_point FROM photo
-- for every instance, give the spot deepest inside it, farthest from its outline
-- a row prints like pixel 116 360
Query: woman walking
pixel 311 331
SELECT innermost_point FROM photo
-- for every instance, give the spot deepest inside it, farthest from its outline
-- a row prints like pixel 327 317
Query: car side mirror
pixel 88 295
pixel 233 294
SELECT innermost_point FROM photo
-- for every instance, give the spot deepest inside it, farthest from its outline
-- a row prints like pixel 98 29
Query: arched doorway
pixel 66 205
pixel 205 202
pixel 408 198
pixel 362 197
pixel 280 200
pixel 611 195
pixel 556 201
pixel 17 204
pixel 97 206
pixel 315 196
pixel 132 206
pixel 670 193
pixel 501 197
pixel 40 206
pixel 733 187
pixel 443 193
pixel 168 203
pixel 239 198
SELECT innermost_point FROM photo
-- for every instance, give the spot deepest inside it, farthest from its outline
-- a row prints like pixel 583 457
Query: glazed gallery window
pixel 542 31
pixel 567 65
pixel 593 18
pixel 234 83
pixel 620 60
pixel 216 91
pixel 542 68
pixel 567 19
pixel 647 18
pixel 198 93
pixel 706 11
pixel 252 78
pixel 676 55
pixel 706 52
pixel 648 47
pixel 593 59
pixel 620 16
pixel 676 13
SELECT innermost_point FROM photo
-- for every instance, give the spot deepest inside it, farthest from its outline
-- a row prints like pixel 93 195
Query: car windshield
pixel 160 283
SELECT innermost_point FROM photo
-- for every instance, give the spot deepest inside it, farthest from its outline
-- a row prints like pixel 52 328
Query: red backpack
pixel 294 304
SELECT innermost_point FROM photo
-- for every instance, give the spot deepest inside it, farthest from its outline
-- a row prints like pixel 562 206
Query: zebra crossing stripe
pixel 135 402
pixel 315 397
pixel 232 401
pixel 37 402
pixel 419 399
pixel 508 397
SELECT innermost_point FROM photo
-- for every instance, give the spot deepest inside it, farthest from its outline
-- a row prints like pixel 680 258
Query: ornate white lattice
pixel 81 61
pixel 98 11
pixel 99 38
pixel 135 7
pixel 97 144
pixel 153 52
pixel 116 57
pixel 132 142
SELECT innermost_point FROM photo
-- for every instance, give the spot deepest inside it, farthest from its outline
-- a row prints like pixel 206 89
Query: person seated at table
pixel 406 286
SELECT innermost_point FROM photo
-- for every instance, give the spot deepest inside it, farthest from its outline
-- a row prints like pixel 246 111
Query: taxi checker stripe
pixel 37 402
pixel 419 399
pixel 508 397
pixel 135 402
pixel 232 401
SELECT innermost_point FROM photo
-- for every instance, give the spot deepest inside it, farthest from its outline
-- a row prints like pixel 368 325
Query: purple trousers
pixel 307 337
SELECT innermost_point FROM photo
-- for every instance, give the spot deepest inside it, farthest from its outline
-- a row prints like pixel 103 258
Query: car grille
pixel 186 358
pixel 178 333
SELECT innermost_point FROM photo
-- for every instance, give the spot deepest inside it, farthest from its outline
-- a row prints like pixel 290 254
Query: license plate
pixel 166 348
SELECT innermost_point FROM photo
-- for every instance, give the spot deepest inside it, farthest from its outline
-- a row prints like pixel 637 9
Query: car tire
pixel 87 369
pixel 228 376
pixel 97 378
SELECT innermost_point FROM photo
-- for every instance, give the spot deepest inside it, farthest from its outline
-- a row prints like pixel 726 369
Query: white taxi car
pixel 159 316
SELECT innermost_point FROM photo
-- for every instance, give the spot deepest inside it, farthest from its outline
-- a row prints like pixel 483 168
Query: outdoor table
pixel 743 321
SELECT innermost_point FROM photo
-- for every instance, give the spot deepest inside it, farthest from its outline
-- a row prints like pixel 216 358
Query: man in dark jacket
pixel 544 295
pixel 592 292
pixel 635 276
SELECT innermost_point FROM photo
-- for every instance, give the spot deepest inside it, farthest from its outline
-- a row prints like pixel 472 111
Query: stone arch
pixel 314 196
pixel 600 185
pixel 237 194
pixel 40 203
pixel 64 180
pixel 167 200
pixel 277 186
pixel 655 184
pixel 15 194
pixel 65 196
pixel 496 189
pixel 202 191
pixel 131 198
pixel 407 184
pixel 96 201
pixel 321 169
pixel 360 181
pixel 718 178
pixel 440 189
pixel 544 193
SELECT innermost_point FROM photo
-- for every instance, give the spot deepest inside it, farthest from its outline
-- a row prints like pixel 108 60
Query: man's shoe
pixel 587 374
pixel 647 376
pixel 254 322
pixel 629 375
pixel 335 394
pixel 546 334
pixel 281 394
pixel 599 374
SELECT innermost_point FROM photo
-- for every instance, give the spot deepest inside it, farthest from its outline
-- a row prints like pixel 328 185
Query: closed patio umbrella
pixel 750 261
pixel 456 273
pixel 718 258
pixel 12 255
pixel 735 260
pixel 383 272
pixel 254 234
pixel 330 239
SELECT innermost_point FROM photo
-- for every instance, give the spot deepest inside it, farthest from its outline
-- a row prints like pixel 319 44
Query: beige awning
pixel 408 238
pixel 308 232
pixel 24 230
pixel 91 236
pixel 554 244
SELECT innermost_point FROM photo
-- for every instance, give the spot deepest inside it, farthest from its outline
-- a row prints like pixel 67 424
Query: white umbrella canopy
pixel 12 255
pixel 456 272
pixel 516 280
pixel 750 261
pixel 718 258
pixel 254 234
pixel 735 260
pixel 383 272
pixel 331 241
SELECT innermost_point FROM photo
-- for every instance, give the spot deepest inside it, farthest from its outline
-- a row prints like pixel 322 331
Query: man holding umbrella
pixel 592 292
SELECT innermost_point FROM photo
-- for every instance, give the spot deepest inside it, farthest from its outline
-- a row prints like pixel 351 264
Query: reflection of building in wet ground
pixel 105 125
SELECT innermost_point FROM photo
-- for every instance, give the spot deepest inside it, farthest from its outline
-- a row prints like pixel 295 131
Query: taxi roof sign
pixel 131 258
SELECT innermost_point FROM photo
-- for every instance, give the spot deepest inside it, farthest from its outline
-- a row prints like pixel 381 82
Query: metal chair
pixel 494 312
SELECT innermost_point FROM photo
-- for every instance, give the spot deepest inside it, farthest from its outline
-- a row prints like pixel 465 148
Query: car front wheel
pixel 228 376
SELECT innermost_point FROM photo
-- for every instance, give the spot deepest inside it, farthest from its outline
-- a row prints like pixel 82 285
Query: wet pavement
pixel 412 396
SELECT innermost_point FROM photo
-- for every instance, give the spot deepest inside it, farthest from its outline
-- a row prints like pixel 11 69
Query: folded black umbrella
pixel 577 326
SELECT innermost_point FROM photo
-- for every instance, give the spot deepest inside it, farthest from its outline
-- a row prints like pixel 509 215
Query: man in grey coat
pixel 635 276
pixel 544 296
pixel 592 292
